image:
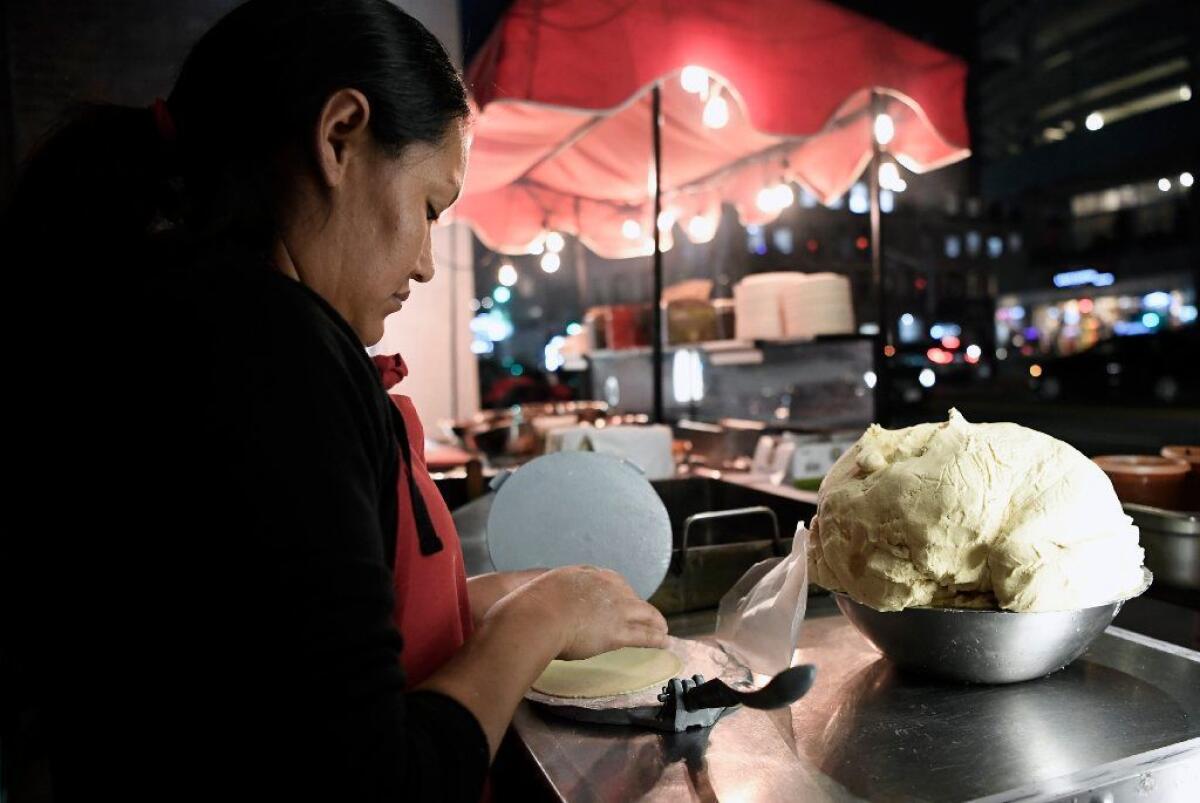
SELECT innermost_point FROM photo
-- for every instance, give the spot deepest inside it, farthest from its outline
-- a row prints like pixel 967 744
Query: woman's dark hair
pixel 243 110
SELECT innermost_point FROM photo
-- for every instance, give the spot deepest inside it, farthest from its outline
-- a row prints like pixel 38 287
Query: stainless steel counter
pixel 1121 723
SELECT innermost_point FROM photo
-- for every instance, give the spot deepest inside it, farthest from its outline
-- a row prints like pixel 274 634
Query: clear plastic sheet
pixel 759 619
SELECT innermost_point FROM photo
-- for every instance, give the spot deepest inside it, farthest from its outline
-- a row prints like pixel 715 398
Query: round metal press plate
pixel 571 508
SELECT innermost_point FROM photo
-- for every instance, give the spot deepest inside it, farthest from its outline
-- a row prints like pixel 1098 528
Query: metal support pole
pixel 657 333
pixel 878 279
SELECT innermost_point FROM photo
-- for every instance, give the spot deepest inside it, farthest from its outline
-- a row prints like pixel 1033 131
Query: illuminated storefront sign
pixel 1078 278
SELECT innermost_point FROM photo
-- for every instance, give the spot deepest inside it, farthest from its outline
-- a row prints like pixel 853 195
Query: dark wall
pixel 73 51
pixel 54 56
pixel 7 157
pixel 477 20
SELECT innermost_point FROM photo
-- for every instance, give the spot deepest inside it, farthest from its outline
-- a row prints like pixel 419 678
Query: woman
pixel 209 613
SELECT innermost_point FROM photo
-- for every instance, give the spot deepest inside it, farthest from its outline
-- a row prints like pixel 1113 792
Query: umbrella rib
pixel 530 184
pixel 576 135
pixel 750 158
pixel 784 144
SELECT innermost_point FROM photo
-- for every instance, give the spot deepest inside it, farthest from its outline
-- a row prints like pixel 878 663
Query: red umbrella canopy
pixel 755 95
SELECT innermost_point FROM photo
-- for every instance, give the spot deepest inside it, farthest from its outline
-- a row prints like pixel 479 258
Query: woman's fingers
pixel 639 635
pixel 638 612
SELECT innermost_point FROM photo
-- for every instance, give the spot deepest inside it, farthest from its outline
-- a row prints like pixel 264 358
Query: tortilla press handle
pixel 500 479
pixel 784 689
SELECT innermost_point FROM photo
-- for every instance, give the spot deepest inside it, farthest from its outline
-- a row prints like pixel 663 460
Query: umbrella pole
pixel 581 271
pixel 883 339
pixel 656 358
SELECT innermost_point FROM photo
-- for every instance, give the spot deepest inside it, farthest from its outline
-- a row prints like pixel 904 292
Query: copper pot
pixel 1191 485
pixel 1146 480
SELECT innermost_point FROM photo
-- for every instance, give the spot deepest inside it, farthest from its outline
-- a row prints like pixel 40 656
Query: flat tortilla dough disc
pixel 610 673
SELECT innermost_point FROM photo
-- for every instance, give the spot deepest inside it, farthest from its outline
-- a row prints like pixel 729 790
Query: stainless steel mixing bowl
pixel 983 646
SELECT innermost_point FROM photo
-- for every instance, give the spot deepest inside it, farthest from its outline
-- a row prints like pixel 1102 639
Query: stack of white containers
pixel 820 306
pixel 757 309
pixel 787 306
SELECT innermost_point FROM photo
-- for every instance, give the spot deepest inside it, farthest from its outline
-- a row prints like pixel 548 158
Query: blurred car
pixel 1163 367
pixel 904 370
pixel 916 368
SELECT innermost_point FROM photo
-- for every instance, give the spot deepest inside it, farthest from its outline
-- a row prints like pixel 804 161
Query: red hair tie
pixel 163 120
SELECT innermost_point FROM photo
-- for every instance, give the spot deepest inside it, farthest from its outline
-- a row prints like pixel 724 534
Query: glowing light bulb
pixel 889 177
pixel 885 129
pixel 701 229
pixel 716 112
pixel 694 79
pixel 775 198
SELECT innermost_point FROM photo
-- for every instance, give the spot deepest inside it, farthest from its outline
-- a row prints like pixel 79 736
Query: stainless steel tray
pixel 1122 720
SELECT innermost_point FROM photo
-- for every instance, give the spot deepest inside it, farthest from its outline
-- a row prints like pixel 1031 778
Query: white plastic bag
pixel 758 621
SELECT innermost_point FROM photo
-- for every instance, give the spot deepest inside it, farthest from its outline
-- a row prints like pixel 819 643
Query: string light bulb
pixel 701 229
pixel 716 112
pixel 694 79
pixel 885 128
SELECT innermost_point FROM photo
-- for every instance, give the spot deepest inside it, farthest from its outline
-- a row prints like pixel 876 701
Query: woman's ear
pixel 342 132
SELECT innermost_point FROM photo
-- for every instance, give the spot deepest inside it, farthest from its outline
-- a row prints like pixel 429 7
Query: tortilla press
pixel 572 508
pixel 686 703
pixel 691 703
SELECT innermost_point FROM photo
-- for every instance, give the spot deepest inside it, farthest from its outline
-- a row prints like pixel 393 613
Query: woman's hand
pixel 573 612
pixel 593 609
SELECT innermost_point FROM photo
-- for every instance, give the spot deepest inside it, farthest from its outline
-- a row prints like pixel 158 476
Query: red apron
pixel 433 611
